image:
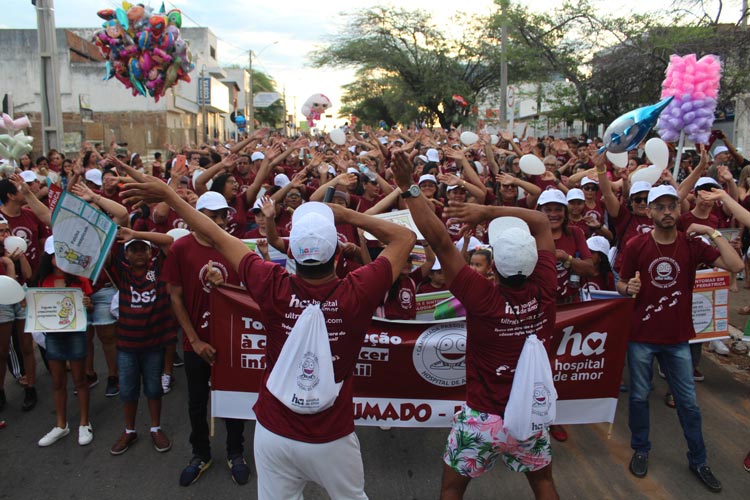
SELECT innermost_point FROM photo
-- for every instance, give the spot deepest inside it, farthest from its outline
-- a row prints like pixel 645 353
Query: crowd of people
pixel 493 236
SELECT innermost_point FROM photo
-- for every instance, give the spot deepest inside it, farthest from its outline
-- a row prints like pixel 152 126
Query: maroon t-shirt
pixel 27 225
pixel 237 219
pixel 498 318
pixel 186 266
pixel 174 221
pixel 348 311
pixel 403 305
pixel 597 212
pixel 689 218
pixel 627 226
pixel 572 243
pixel 663 311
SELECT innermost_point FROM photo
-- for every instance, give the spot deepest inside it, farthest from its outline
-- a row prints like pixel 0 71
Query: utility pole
pixel 204 93
pixel 504 68
pixel 284 118
pixel 251 95
pixel 745 13
pixel 52 123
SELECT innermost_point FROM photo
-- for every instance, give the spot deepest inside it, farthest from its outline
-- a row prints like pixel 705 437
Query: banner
pixel 711 305
pixel 55 310
pixel 413 373
pixel 83 236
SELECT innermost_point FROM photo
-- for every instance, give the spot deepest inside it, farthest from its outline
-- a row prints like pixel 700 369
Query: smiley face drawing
pixel 451 352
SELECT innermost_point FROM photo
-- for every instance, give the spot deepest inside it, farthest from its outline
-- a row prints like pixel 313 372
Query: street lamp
pixel 251 114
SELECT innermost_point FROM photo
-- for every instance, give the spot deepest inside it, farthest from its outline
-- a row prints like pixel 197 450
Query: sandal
pixel 744 310
pixel 669 400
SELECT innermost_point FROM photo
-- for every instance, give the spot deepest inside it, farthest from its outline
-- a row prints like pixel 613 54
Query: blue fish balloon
pixel 627 131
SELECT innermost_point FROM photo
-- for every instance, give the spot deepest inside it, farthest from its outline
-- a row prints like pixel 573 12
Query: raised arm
pixel 608 196
pixel 118 212
pixel 36 206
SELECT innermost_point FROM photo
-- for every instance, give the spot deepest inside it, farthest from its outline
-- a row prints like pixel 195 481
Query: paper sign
pixel 400 217
pixel 55 310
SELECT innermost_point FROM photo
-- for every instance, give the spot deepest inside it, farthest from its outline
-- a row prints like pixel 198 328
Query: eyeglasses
pixel 639 199
pixel 590 187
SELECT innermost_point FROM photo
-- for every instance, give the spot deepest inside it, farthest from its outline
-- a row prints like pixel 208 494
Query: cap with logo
pixel 313 239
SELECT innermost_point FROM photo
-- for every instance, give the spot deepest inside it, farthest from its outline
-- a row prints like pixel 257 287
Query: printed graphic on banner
pixel 55 310
pixel 426 303
pixel 413 374
pixel 83 236
pixel 711 305
pixel 275 255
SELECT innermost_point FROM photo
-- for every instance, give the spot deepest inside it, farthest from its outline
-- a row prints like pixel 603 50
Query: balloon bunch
pixel 694 83
pixel 15 143
pixel 144 51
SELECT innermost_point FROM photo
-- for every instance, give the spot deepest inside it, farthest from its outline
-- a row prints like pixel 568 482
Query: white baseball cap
pixel 575 194
pixel 588 180
pixel 598 244
pixel 663 190
pixel 720 149
pixel 94 175
pixel 432 155
pixel 707 181
pixel 211 200
pixel 513 248
pixel 313 239
pixel 552 196
pixel 423 158
pixel 257 155
pixel 427 177
pixel 474 243
pixel 130 242
pixel 28 176
pixel 281 180
pixel 639 187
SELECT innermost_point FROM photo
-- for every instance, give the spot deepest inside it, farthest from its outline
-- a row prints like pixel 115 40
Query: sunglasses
pixel 639 199
pixel 589 187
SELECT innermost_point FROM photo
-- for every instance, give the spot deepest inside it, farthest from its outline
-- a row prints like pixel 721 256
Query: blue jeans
pixel 134 366
pixel 677 364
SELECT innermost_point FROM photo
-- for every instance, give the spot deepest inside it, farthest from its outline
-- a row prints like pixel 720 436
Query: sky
pixel 280 33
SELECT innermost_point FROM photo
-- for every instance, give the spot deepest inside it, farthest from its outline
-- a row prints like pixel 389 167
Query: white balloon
pixel 12 243
pixel 10 291
pixel 338 136
pixel 177 233
pixel 531 165
pixel 658 152
pixel 619 160
pixel 649 174
pixel 469 138
pixel 494 139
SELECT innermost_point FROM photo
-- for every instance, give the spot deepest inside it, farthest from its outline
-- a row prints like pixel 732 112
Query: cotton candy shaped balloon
pixel 627 131
pixel 694 85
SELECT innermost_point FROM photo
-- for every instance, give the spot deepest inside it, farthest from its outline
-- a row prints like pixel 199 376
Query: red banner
pixel 408 373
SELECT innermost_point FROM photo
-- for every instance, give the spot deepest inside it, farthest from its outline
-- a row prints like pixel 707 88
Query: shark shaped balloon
pixel 627 131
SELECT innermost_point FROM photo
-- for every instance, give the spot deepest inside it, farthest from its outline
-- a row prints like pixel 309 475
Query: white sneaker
pixel 738 347
pixel 52 436
pixel 166 383
pixel 719 347
pixel 85 434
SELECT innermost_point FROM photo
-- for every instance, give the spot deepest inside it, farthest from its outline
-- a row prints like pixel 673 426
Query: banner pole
pixel 609 431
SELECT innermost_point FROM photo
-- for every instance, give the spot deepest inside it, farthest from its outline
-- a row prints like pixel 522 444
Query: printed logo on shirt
pixel 406 297
pixel 664 272
pixel 25 233
pixel 151 275
pixel 204 270
pixel 439 355
pixel 665 302
pixel 146 297
pixel 593 214
pixel 179 224
pixel 308 377
pixel 644 228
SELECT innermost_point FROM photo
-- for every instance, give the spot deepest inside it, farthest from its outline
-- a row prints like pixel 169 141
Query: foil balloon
pixel 627 131
pixel 314 107
pixel 15 143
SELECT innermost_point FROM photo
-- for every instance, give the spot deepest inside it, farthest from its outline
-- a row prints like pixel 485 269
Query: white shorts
pixel 284 466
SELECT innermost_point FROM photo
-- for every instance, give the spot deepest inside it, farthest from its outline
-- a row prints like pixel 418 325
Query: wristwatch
pixel 412 192
pixel 713 236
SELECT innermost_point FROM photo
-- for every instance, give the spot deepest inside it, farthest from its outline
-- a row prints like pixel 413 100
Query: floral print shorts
pixel 478 439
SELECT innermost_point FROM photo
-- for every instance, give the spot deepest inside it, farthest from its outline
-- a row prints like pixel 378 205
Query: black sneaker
pixel 639 464
pixel 93 380
pixel 29 399
pixel 193 471
pixel 177 362
pixel 113 387
pixel 239 469
pixel 707 477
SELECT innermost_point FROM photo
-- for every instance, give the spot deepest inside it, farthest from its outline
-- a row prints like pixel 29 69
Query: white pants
pixel 284 466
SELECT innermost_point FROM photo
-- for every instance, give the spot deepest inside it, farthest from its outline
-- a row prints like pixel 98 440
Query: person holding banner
pixel 293 448
pixel 658 269
pixel 498 317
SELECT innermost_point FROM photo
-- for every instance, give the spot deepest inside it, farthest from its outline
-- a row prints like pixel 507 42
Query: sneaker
pixel 239 469
pixel 698 375
pixel 177 361
pixel 122 444
pixel 29 399
pixel 746 463
pixel 193 471
pixel 93 380
pixel 558 432
pixel 113 387
pixel 161 441
pixel 738 347
pixel 707 477
pixel 718 347
pixel 52 436
pixel 669 400
pixel 639 464
pixel 85 434
pixel 3 400
pixel 167 381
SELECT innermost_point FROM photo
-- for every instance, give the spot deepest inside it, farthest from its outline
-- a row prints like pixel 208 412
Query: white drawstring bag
pixel 302 377
pixel 533 398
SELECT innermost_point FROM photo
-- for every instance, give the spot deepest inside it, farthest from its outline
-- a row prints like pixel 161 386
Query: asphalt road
pixel 399 464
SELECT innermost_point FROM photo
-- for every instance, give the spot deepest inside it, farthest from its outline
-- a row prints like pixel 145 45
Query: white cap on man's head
pixel 211 200
pixel 281 180
pixel 663 190
pixel 28 176
pixel 640 187
pixel 94 175
pixel 575 194
pixel 552 196
pixel 427 177
pixel 422 157
pixel 257 155
pixel 706 181
pixel 432 155
pixel 720 149
pixel 313 239
pixel 513 247
pixel 588 180
pixel 130 242
pixel 598 244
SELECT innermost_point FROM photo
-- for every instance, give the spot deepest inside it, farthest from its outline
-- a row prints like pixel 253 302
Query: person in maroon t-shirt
pixel 498 318
pixel 658 269
pixel 284 440
pixel 436 282
pixel 508 186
